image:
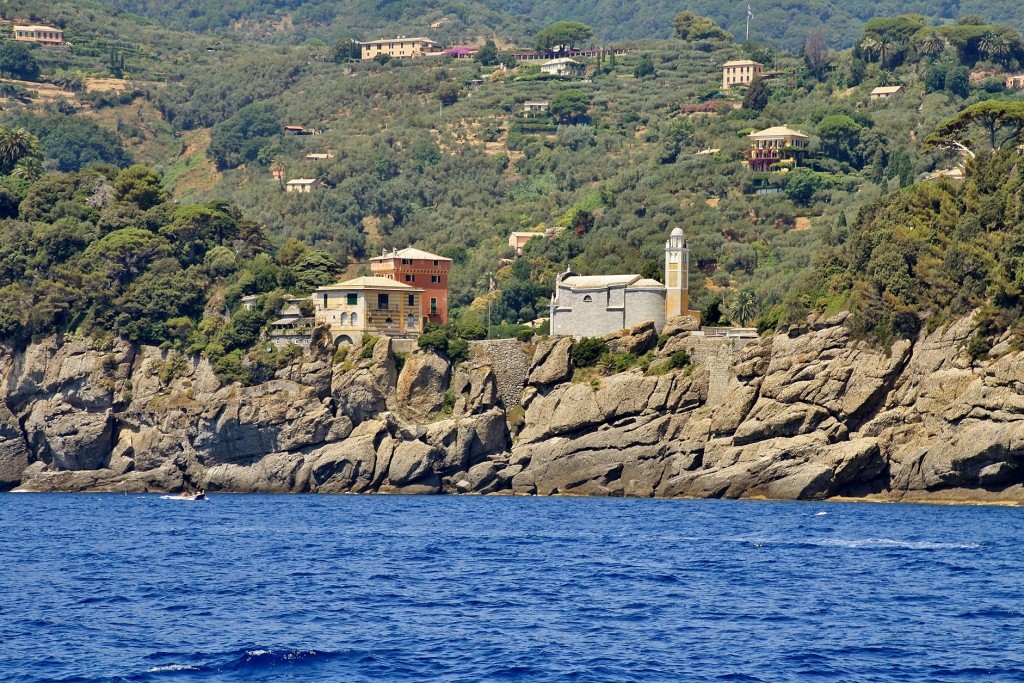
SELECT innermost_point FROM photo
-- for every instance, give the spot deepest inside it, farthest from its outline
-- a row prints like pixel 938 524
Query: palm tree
pixel 29 168
pixel 744 308
pixel 15 145
pixel 995 46
pixel 870 47
pixel 277 169
pixel 931 44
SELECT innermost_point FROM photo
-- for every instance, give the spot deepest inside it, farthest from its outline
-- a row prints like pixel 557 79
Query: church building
pixel 594 305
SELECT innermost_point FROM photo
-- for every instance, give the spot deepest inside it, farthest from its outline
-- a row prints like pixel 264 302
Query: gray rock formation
pixel 805 414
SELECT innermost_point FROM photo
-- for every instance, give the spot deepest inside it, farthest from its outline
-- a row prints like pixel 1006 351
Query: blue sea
pixel 388 588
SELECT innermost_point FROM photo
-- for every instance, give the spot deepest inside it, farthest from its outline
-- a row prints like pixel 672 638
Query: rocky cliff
pixel 803 414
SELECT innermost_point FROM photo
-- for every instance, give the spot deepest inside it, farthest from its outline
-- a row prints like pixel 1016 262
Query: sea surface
pixel 114 587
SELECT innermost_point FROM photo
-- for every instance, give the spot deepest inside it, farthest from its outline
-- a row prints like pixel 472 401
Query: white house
pixel 302 185
pixel 535 107
pixel 883 92
pixel 563 66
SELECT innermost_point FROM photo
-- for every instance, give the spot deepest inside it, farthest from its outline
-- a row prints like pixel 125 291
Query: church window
pixel 587 299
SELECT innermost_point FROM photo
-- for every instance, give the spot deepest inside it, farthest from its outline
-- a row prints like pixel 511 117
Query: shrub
pixel 369 343
pixel 588 351
pixel 524 335
pixel 458 350
pixel 679 359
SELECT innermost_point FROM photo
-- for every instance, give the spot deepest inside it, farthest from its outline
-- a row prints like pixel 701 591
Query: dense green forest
pixel 157 160
pixel 782 24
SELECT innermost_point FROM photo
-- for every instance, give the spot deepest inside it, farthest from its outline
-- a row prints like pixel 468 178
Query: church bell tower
pixel 677 275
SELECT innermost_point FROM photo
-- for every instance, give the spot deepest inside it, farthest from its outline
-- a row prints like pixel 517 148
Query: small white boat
pixel 201 495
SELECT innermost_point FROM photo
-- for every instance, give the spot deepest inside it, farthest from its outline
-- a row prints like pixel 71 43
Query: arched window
pixel 410 322
pixel 344 319
pixel 355 317
pixel 587 299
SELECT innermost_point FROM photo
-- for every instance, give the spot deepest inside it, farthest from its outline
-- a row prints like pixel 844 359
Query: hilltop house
pixel 417 268
pixel 535 107
pixel 1015 82
pixel 594 305
pixel 400 47
pixel 740 72
pixel 292 327
pixel 46 35
pixel 776 146
pixel 303 185
pixel 563 66
pixel 885 91
pixel 518 240
pixel 369 305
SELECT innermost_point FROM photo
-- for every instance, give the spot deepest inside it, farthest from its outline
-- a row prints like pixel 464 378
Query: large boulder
pixel 637 340
pixel 551 362
pixel 422 385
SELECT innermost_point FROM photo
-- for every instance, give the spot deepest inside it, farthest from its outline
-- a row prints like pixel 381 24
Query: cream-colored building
pixel 740 72
pixel 563 66
pixel 1015 82
pixel 777 146
pixel 369 305
pixel 47 35
pixel 885 91
pixel 302 185
pixel 518 240
pixel 400 47
pixel 536 107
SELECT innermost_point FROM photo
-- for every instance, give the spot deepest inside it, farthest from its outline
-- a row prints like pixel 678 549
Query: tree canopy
pixel 564 35
pixel 690 27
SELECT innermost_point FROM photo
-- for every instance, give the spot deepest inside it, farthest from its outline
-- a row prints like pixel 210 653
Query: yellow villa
pixel 400 47
pixel 369 305
pixel 47 35
pixel 740 72
pixel 777 145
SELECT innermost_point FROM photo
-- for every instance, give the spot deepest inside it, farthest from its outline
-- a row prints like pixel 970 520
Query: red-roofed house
pixel 421 269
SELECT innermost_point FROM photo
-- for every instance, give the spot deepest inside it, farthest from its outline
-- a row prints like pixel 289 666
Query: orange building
pixel 420 269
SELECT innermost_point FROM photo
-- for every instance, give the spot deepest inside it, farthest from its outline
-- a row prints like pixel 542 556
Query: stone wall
pixel 510 364
pixel 717 354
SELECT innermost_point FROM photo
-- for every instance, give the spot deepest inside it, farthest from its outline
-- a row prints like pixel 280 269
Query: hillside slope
pixel 782 24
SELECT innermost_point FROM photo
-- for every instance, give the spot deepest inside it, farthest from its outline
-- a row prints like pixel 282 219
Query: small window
pixel 382 302
pixel 433 306
pixel 325 300
pixel 435 279
pixel 410 278
pixel 412 299
pixel 351 298
pixel 588 299
pixel 435 262
pixel 407 262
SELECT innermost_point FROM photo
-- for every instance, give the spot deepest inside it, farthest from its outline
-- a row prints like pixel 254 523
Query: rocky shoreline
pixel 804 414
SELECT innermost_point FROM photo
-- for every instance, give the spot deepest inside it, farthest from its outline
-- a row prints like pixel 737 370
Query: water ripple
pixel 380 588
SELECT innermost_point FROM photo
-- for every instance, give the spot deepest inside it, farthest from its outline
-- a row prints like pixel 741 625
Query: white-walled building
pixel 594 305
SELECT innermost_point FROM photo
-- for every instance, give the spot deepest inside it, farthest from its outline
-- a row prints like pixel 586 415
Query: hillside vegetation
pixel 784 25
pixel 437 152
